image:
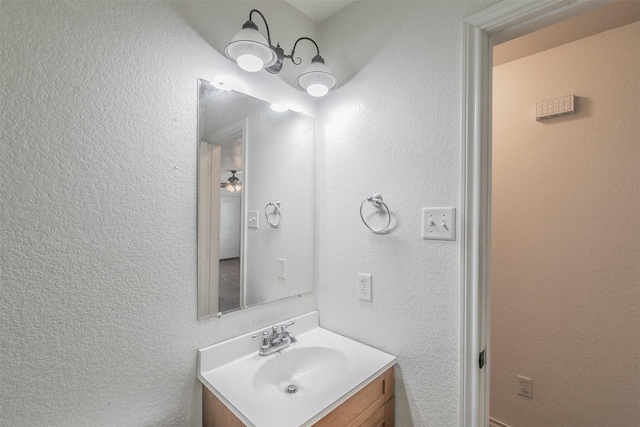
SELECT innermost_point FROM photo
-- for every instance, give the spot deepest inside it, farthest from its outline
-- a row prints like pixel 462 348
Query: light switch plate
pixel 439 223
pixel 252 219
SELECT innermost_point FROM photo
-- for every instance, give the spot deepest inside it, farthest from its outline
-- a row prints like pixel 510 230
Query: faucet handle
pixel 283 327
pixel 260 336
pixel 265 339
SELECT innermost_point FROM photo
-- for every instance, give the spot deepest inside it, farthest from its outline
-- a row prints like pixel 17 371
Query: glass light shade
pixel 250 63
pixel 233 187
pixel 317 90
pixel 250 49
pixel 316 79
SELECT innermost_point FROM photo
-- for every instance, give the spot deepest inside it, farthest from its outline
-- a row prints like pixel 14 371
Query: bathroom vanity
pixel 320 379
pixel 371 406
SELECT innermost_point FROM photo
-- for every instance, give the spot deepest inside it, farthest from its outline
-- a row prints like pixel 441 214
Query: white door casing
pixel 499 23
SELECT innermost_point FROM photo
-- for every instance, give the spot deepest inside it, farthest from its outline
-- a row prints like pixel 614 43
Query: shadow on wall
pixel 200 15
pixel 372 39
pixel 403 414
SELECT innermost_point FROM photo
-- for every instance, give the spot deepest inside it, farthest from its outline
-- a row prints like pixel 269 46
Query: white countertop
pixel 230 370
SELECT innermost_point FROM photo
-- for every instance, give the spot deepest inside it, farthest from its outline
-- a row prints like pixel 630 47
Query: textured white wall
pixel 393 127
pixel 98 178
pixel 98 174
pixel 565 301
pixel 280 153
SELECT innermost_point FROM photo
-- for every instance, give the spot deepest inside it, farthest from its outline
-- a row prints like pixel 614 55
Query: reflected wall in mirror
pixel 249 157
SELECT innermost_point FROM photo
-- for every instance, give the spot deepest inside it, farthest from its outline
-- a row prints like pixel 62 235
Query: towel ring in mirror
pixel 274 212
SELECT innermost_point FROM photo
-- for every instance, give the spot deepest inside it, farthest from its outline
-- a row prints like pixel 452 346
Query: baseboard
pixel 495 423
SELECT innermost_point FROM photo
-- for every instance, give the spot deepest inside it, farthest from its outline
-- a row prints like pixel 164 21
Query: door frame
pixel 499 23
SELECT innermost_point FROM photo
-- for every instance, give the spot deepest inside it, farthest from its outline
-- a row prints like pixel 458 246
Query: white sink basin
pixel 308 370
pixel 323 368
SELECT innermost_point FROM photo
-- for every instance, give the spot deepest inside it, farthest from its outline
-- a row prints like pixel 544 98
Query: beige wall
pixel 565 303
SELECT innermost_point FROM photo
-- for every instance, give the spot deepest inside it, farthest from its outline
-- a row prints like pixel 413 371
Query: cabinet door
pixel 363 405
pixel 383 417
pixel 215 414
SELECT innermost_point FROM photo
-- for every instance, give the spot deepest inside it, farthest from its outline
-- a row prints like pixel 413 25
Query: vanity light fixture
pixel 253 52
pixel 233 185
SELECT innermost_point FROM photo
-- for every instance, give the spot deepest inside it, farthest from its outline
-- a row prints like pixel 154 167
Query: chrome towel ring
pixel 376 201
pixel 274 212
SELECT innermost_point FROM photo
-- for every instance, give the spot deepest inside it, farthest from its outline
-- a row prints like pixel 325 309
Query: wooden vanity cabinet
pixel 370 407
pixel 215 413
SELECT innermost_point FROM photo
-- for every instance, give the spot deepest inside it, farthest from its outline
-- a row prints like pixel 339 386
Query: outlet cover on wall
pixel 282 268
pixel 364 287
pixel 525 386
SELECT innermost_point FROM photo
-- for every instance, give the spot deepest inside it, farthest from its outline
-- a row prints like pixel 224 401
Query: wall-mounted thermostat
pixel 555 107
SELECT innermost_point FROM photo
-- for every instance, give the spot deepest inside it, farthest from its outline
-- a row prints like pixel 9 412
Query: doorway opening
pixel 563 288
pixel 500 23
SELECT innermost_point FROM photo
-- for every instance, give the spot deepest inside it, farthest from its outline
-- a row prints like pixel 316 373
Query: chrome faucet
pixel 274 341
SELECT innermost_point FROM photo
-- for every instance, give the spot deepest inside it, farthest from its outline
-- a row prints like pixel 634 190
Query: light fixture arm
pixel 315 59
pixel 291 55
pixel 265 24
pixel 253 52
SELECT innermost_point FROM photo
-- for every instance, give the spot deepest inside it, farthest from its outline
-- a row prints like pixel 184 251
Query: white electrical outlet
pixel 282 268
pixel 525 386
pixel 364 287
pixel 439 223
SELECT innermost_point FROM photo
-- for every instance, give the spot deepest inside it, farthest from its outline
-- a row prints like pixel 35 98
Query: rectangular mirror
pixel 255 202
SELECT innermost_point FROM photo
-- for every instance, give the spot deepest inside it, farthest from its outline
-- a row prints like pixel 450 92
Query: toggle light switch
pixel 252 219
pixel 439 223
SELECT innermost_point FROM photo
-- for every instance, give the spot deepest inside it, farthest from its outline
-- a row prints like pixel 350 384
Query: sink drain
pixel 291 389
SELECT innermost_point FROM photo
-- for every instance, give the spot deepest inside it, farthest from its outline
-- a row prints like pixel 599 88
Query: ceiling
pixel 319 10
pixel 585 25
pixel 604 19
